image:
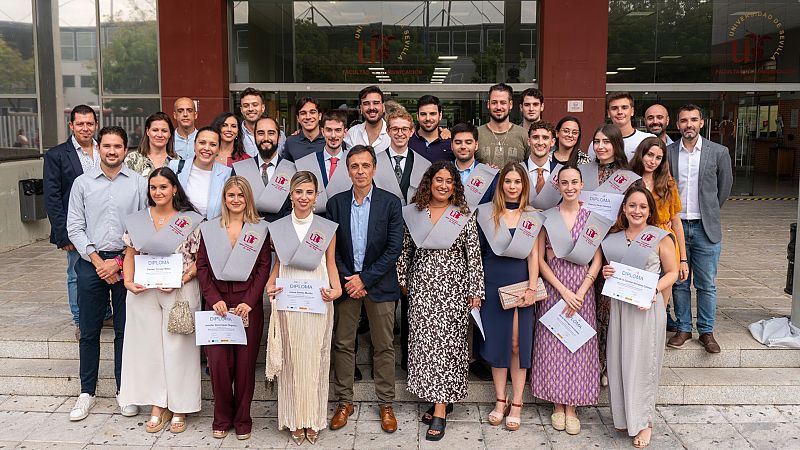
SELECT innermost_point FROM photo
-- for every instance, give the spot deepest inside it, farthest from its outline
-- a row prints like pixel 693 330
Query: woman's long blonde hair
pixel 499 200
pixel 250 213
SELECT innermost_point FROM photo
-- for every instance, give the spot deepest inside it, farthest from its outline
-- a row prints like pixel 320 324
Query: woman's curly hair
pixel 423 195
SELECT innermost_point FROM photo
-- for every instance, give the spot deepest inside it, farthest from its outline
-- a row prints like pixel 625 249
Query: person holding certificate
pixel 508 228
pixel 569 260
pixel 299 342
pixel 440 268
pixel 636 334
pixel 161 368
pixel 233 267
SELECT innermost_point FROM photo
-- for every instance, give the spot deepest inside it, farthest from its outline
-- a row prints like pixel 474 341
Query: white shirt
pixel 533 170
pixel 689 180
pixel 271 164
pixel 197 189
pixel 339 160
pixel 87 163
pixel 357 135
pixel 403 162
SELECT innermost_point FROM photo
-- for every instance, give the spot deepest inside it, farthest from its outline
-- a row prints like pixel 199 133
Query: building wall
pixel 13 232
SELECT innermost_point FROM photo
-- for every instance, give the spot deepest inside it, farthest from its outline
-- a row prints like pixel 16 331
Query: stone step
pixel 690 385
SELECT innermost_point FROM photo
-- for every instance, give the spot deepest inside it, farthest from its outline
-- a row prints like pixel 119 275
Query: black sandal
pixel 437 424
pixel 428 416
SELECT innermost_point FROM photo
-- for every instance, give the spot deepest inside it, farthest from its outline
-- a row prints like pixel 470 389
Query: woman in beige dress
pixel 156 147
pixel 299 343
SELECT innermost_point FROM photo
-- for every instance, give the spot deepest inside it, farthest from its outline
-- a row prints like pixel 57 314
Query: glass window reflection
pixel 130 47
pixel 16 51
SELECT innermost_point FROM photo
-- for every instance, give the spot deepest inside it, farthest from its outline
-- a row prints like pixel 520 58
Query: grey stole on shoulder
pixel 233 264
pixel 269 198
pixel 339 182
pixel 583 249
pixel 305 255
pixel 617 183
pixel 438 236
pixel 550 196
pixel 503 244
pixel 163 242
pixel 616 248
pixel 386 179
pixel 478 183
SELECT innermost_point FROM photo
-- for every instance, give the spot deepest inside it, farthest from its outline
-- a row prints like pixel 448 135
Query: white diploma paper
pixel 300 296
pixel 571 331
pixel 631 285
pixel 476 314
pixel 213 329
pixel 606 204
pixel 158 271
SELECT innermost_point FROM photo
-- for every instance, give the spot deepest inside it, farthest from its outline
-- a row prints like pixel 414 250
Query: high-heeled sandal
pixel 513 423
pixel 157 423
pixel 428 415
pixel 178 424
pixel 495 418
pixel 299 438
pixel 312 436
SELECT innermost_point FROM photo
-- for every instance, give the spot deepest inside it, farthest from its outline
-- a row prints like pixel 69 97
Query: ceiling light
pixel 671 57
pixel 611 73
pixel 626 68
pixel 744 13
pixel 446 69
pixel 376 69
pixel 448 58
pixel 651 61
pixel 641 13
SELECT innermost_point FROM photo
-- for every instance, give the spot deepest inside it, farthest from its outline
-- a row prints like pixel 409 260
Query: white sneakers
pixel 82 407
pixel 128 410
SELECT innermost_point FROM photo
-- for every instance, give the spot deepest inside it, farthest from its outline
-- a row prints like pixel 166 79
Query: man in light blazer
pixel 368 242
pixel 704 175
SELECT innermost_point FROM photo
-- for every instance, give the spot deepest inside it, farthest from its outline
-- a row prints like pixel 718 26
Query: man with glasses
pixel 372 131
pixel 310 139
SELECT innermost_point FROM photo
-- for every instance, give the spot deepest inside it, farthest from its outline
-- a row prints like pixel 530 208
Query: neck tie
pixel 398 171
pixel 334 162
pixel 539 179
pixel 264 173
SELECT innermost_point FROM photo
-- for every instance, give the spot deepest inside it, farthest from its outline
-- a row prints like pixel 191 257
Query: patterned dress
pixel 142 164
pixel 557 375
pixel 603 303
pixel 440 283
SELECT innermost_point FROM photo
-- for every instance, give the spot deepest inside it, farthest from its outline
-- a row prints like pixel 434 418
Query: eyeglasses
pixel 568 132
pixel 401 129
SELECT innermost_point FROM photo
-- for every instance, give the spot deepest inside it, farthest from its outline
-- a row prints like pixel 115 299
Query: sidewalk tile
pixel 591 436
pixel 58 428
pixel 102 405
pixel 119 430
pixel 718 436
pixel 197 434
pixel 791 412
pixel 695 414
pixel 33 403
pixel 770 435
pixel 265 434
pixel 33 445
pixel 529 435
pixel 461 435
pixel 752 414
pixel 663 438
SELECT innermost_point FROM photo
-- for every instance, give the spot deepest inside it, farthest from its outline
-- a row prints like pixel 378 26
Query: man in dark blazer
pixel 62 164
pixel 368 242
pixel 704 175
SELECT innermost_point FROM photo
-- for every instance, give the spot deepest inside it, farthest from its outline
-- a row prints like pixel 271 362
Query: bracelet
pixel 590 276
pixel 684 260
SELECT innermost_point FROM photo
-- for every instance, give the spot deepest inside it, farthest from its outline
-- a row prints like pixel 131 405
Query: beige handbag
pixel 181 319
pixel 514 294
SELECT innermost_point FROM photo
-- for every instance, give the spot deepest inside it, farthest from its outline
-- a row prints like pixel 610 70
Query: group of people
pixel 482 221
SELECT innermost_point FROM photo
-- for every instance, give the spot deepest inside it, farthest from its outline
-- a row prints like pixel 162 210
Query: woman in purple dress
pixel 567 379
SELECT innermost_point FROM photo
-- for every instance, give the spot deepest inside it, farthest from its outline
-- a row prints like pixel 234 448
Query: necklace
pixel 497 141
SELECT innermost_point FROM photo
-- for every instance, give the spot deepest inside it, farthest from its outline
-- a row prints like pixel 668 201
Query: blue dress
pixel 497 322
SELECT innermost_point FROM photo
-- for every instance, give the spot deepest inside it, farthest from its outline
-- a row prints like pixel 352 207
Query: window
pixel 494 37
pixel 85 45
pixel 88 81
pixel 68 81
pixel 241 46
pixel 67 46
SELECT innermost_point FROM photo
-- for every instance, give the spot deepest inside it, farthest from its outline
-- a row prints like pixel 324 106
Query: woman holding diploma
pixel 233 267
pixel 569 260
pixel 636 335
pixel 440 269
pixel 508 234
pixel 160 368
pixel 299 343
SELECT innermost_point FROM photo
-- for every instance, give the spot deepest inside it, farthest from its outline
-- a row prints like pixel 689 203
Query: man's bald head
pixel 185 113
pixel 656 119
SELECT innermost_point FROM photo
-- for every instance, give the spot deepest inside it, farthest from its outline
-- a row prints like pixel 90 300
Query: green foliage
pixel 16 73
pixel 130 61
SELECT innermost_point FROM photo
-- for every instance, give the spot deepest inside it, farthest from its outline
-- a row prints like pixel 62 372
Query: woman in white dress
pixel 299 343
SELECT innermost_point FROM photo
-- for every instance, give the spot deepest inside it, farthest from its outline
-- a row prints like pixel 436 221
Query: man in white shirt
pixel 619 107
pixel 656 120
pixel 185 115
pixel 252 107
pixel 373 131
pixel 703 171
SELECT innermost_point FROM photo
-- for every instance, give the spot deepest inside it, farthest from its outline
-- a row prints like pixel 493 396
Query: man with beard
pixel 530 107
pixel 252 107
pixel 260 171
pixel 656 119
pixel 372 131
pixel 703 172
pixel 100 201
pixel 479 179
pixel 309 140
pixel 185 115
pixel 500 141
pixel 427 140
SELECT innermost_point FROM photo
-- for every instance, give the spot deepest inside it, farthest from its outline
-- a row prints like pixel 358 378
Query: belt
pixel 105 253
pixel 692 220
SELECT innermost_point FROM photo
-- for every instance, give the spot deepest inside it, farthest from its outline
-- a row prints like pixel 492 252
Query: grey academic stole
pixel 305 254
pixel 339 182
pixel 233 264
pixel 581 250
pixel 163 242
pixel 550 195
pixel 478 183
pixel 387 180
pixel 617 183
pixel 500 240
pixel 616 248
pixel 269 198
pixel 439 236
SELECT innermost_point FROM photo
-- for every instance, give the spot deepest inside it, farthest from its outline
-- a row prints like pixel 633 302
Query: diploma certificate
pixel 606 204
pixel 631 285
pixel 571 331
pixel 213 329
pixel 158 271
pixel 301 296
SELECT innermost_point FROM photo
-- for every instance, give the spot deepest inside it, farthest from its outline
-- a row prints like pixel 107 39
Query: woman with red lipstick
pixel 231 146
pixel 156 147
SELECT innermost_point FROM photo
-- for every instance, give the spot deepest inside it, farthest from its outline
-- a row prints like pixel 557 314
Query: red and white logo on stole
pixel 181 222
pixel 528 224
pixel 591 232
pixel 456 214
pixel 477 181
pixel 280 179
pixel 316 237
pixel 647 237
pixel 249 238
pixel 619 179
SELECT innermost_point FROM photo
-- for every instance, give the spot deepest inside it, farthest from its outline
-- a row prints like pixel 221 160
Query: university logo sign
pixel 747 46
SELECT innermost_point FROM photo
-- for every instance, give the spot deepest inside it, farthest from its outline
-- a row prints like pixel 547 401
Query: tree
pixel 130 61
pixel 16 73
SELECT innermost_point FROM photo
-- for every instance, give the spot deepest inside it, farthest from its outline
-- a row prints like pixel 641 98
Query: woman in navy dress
pixel 509 332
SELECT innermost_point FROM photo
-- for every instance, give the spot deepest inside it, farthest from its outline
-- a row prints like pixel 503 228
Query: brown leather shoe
pixel 708 341
pixel 343 411
pixel 679 339
pixel 388 420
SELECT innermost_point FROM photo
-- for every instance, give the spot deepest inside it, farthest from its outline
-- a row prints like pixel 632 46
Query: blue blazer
pixel 220 174
pixel 384 242
pixel 61 167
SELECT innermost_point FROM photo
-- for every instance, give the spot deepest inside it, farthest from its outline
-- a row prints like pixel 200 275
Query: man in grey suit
pixel 703 171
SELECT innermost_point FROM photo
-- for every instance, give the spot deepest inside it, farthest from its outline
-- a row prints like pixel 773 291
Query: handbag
pixel 513 295
pixel 181 319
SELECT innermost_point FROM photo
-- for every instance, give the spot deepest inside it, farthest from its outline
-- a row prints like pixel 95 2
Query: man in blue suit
pixel 368 242
pixel 62 164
